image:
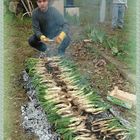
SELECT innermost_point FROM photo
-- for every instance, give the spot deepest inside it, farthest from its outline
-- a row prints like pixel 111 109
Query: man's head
pixel 43 4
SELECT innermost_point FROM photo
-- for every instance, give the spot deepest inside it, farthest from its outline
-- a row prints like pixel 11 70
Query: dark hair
pixel 48 0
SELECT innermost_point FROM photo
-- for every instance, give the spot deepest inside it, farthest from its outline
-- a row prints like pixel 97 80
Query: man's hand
pixel 60 37
pixel 44 39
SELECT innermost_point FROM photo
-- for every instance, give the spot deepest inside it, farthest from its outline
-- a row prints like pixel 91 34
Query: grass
pixel 74 20
pixel 16 51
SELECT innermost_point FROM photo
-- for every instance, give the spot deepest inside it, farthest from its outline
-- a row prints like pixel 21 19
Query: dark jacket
pixel 49 23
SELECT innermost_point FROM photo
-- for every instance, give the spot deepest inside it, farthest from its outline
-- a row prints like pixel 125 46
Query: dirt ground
pixel 102 75
pixel 16 52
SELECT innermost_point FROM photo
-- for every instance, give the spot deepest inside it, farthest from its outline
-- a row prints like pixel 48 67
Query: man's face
pixel 42 4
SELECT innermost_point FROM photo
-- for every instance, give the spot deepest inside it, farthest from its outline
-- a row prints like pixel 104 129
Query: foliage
pixel 94 34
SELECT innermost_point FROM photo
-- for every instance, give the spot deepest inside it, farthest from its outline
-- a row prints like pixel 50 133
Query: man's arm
pixel 65 27
pixel 60 20
pixel 35 25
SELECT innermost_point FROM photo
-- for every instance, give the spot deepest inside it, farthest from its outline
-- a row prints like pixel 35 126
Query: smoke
pixel 94 11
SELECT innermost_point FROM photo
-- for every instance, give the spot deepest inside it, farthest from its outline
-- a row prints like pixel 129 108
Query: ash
pixel 33 117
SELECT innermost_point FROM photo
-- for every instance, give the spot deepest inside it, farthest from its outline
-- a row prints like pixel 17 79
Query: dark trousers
pixel 37 44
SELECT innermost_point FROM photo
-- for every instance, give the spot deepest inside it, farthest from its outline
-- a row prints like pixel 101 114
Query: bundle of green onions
pixel 68 103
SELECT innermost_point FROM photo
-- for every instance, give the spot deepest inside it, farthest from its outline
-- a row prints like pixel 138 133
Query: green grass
pixel 16 51
pixel 73 20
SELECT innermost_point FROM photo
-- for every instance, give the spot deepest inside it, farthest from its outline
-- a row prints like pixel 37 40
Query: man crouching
pixel 47 24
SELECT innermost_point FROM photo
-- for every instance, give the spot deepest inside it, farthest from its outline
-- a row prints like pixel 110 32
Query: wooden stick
pixel 29 6
pixel 32 5
pixel 25 14
pixel 27 11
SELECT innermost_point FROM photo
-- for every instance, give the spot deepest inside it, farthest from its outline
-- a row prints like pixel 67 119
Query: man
pixel 118 13
pixel 48 24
